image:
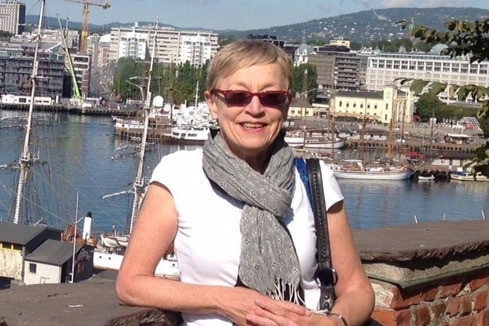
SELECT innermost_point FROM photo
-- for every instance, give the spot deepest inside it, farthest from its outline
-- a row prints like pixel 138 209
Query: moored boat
pixel 355 169
pixel 468 176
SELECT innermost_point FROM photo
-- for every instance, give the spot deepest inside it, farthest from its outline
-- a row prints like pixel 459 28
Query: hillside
pixel 363 27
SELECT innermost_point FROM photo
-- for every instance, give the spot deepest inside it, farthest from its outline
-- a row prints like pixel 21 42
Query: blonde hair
pixel 246 53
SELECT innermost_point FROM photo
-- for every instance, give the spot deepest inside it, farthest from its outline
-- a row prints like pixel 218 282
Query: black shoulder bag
pixel 310 172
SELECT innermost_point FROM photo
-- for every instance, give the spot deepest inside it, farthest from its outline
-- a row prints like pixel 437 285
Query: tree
pixel 298 86
pixel 428 106
pixel 126 68
pixel 472 39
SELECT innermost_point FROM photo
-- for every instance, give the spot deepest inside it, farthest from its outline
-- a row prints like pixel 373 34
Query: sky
pixel 226 14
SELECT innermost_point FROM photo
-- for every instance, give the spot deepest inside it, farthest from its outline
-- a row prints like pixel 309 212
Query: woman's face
pixel 250 130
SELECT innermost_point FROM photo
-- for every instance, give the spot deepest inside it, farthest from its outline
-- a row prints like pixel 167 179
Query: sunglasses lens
pixel 273 99
pixel 238 98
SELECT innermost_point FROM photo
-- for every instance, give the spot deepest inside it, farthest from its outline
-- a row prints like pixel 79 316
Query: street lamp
pixel 140 89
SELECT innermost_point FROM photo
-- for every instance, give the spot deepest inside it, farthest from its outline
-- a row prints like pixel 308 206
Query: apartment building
pixel 12 16
pixel 384 68
pixel 82 65
pixel 16 70
pixel 337 70
pixel 172 46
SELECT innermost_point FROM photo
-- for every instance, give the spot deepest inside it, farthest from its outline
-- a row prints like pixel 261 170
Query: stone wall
pixel 429 274
pixel 422 274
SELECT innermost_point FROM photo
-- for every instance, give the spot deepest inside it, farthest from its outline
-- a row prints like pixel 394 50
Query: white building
pixel 12 16
pixel 195 49
pixel 172 46
pixel 384 68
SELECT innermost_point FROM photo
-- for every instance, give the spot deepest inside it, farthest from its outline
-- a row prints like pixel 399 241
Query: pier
pixel 59 107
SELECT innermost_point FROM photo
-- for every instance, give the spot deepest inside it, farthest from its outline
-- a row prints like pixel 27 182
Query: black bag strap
pixel 310 172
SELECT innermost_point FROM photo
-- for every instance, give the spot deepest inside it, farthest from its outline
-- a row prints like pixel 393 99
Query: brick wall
pixel 457 300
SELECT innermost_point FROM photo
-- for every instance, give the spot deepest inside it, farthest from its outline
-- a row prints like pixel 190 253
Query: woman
pixel 239 215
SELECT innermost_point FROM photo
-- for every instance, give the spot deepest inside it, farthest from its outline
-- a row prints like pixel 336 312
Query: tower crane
pixel 86 13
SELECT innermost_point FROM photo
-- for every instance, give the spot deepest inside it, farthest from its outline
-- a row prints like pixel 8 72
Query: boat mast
pixel 197 95
pixel 389 142
pixel 26 157
pixel 139 185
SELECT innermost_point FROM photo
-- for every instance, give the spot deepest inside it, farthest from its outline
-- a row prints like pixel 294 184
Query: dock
pixel 59 107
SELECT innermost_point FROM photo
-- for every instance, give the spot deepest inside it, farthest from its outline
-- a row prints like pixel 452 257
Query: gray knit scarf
pixel 268 262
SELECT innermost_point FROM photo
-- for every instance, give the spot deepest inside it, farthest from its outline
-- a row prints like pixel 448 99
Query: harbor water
pixel 79 155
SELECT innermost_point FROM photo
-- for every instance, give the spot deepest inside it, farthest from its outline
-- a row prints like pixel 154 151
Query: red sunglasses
pixel 274 99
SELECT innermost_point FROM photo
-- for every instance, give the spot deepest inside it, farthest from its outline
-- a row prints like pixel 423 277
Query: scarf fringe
pixel 281 288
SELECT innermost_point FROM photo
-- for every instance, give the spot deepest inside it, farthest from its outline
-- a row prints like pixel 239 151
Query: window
pixel 32 268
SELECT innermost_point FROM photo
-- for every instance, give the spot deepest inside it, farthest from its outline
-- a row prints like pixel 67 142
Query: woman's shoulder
pixel 183 161
pixel 183 158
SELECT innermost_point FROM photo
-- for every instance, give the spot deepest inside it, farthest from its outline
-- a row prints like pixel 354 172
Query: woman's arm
pixel 355 296
pixel 136 285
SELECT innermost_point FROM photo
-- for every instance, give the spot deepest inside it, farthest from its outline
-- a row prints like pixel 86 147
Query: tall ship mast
pixel 26 159
pixel 139 184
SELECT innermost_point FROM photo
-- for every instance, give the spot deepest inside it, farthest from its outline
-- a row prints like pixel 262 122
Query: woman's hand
pixel 243 306
pixel 248 307
pixel 274 313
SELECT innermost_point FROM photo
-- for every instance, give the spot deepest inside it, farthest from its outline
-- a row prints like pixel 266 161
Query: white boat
pixel 468 176
pixel 426 177
pixel 106 260
pixel 190 134
pixel 313 141
pixel 114 241
pixel 355 169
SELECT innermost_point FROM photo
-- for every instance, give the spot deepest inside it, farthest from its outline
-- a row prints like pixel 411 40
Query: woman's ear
pixel 212 104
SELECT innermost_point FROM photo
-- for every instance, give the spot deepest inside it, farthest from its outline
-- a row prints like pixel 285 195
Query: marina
pixel 80 150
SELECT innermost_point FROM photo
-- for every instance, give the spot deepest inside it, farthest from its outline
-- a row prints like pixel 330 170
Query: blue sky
pixel 232 14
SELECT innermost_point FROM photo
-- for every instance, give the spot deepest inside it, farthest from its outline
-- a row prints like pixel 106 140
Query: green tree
pixel 428 106
pixel 298 77
pixel 126 68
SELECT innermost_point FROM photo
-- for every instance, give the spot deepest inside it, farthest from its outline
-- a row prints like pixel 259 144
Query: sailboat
pixel 358 169
pixel 113 246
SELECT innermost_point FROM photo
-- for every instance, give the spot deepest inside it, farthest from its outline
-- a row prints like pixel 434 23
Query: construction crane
pixel 77 96
pixel 86 13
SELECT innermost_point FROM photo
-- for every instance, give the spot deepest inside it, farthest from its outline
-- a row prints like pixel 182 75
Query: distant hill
pixel 363 27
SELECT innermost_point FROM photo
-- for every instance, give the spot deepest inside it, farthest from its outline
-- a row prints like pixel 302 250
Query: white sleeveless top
pixel 208 240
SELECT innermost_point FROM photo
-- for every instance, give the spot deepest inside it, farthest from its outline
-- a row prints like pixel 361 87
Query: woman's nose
pixel 255 106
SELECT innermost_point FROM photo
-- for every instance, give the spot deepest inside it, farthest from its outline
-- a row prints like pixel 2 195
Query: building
pixel 386 106
pixel 35 255
pixel 340 42
pixel 82 65
pixel 301 108
pixel 52 262
pixel 195 49
pixel 337 70
pixel 384 68
pixel 172 46
pixel 16 70
pixel 12 16
pixel 268 39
